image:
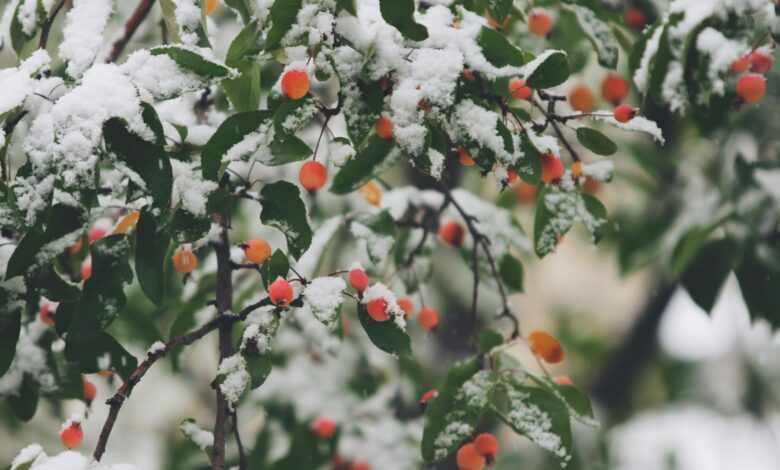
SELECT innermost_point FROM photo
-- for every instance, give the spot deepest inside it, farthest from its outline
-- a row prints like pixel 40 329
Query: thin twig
pixel 138 17
pixel 242 462
pixel 550 115
pixel 46 28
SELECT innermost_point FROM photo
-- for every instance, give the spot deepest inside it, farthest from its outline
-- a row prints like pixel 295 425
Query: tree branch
pixel 138 17
pixel 46 28
pixel 224 305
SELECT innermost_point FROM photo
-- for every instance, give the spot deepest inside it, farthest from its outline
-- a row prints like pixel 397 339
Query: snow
pixel 310 259
pixel 158 76
pixel 83 34
pixel 233 378
pixel 201 438
pixel 377 245
pixel 30 359
pixel 156 348
pixel 722 53
pixel 188 15
pixel 479 124
pixel 638 123
pixel 642 74
pixel 536 424
pixel 190 190
pixel 601 170
pixel 324 296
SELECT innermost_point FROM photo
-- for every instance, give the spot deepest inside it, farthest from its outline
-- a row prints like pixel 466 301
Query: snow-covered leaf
pixel 284 209
pixel 597 32
pixel 400 13
pixel 231 132
pixel 283 14
pixel 386 335
pixel 548 69
pixel 499 51
pixel 193 61
pixel 361 169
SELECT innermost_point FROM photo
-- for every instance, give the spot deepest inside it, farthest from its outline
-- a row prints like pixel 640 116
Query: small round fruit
pixel 552 168
pixel 540 22
pixel 452 233
pixel 280 292
pixel 358 279
pixel 377 309
pixel 546 347
pixel 576 170
pixel 406 304
pixel 324 428
pixel 760 62
pixel 46 313
pixel 90 391
pixel 741 65
pixel 428 319
pixel 313 176
pixel 86 269
pixel 563 380
pixel 96 233
pixel 581 99
pixel 72 435
pixel 184 260
pixel 426 397
pixel 372 193
pixel 624 113
pixel 519 90
pixel 751 88
pixel 525 193
pixel 487 445
pixel 360 465
pixel 464 157
pixel 295 84
pixel 384 128
pixel 511 176
pixel 614 88
pixel 211 6
pixel 635 18
pixel 257 251
pixel 469 459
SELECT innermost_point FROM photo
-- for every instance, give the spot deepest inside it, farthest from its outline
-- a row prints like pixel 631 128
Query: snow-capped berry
pixel 552 168
pixel 581 99
pixel 452 233
pixel 469 459
pixel 72 435
pixel 428 396
pixel 324 428
pixel 90 391
pixel 519 90
pixel 760 62
pixel 295 84
pixel 384 128
pixel 545 346
pixel 211 6
pixel 741 65
pixel 313 176
pixel 184 260
pixel 428 318
pixel 563 380
pixel 525 192
pixel 751 88
pixel 377 309
pixel 464 157
pixel 280 292
pixel 46 313
pixel 486 445
pixel 86 269
pixel 257 250
pixel 624 113
pixel 406 304
pixel 539 22
pixel 614 88
pixel 635 18
pixel 96 233
pixel 358 279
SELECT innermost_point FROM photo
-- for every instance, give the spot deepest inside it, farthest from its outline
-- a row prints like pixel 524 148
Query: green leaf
pixel 287 148
pixel 152 120
pixel 284 209
pixel 25 404
pixel 230 132
pixel 18 37
pixel 259 367
pixel 346 5
pixel 511 271
pixel 276 266
pixel 146 159
pixel 400 13
pixel 361 169
pixel 708 270
pixel 489 339
pixel 386 335
pixel 499 9
pixel 499 51
pixel 551 69
pixel 10 326
pixel 150 253
pixel 52 286
pixel 598 33
pixel 758 283
pixel 193 61
pixel 596 223
pixel 283 15
pixel 551 221
pixel 99 353
pixel 244 90
pixel 595 141
pixel 243 7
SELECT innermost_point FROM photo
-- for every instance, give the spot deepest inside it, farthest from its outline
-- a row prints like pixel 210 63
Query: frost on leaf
pixel 324 296
pixel 233 378
pixel 201 438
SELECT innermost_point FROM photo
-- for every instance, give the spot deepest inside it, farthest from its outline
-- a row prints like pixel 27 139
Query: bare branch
pixel 138 17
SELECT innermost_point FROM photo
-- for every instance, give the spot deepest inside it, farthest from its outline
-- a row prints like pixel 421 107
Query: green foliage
pixel 284 210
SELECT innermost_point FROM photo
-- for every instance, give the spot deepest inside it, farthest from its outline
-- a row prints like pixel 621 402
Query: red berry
pixel 257 251
pixel 428 396
pixel 360 466
pixel 86 269
pixel 406 305
pixel 545 346
pixel 46 313
pixel 452 233
pixel 760 62
pixel 324 428
pixel 377 309
pixel 428 319
pixel 280 292
pixel 469 459
pixel 635 18
pixel 614 88
pixel 751 88
pixel 384 128
pixel 358 279
pixel 96 233
pixel 465 157
pixel 741 65
pixel 72 435
pixel 518 89
pixel 552 168
pixel 624 113
pixel 486 445
pixel 313 176
pixel 469 75
pixel 511 176
pixel 295 84
pixel 539 22
pixel 525 193
pixel 90 391
pixel 563 380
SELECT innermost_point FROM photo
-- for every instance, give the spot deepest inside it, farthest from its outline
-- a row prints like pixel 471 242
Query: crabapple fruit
pixel 384 128
pixel 358 279
pixel 72 435
pixel 469 459
pixel 257 250
pixel 313 176
pixel 452 233
pixel 624 113
pixel 295 84
pixel 428 318
pixel 184 260
pixel 614 88
pixel 751 88
pixel 519 90
pixel 377 309
pixel 540 22
pixel 552 168
pixel 581 99
pixel 280 292
pixel 546 347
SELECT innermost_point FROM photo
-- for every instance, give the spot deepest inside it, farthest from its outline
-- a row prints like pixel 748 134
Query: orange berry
pixel 614 88
pixel 384 128
pixel 105 373
pixel 75 248
pixel 428 318
pixel 90 391
pixel 741 65
pixel 406 305
pixel 581 99
pixel 127 223
pixel 576 169
pixel 635 18
pixel 184 260
pixel 465 157
pixel 469 459
pixel 525 192
pixel 46 314
pixel 624 113
pixel 211 6
pixel 280 292
pixel 358 279
pixel 545 346
pixel 452 233
pixel 295 84
pixel 360 465
pixel 72 435
pixel 540 22
pixel 563 380
pixel 751 88
pixel 552 168
pixel 86 269
pixel 428 396
pixel 760 62
pixel 518 90
pixel 324 428
pixel 511 176
pixel 95 234
pixel 372 193
pixel 313 176
pixel 486 445
pixel 257 251
pixel 377 309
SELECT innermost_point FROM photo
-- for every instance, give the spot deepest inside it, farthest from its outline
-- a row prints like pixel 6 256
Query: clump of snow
pixel 30 359
pixel 156 348
pixel 601 170
pixel 324 296
pixel 233 378
pixel 378 245
pixel 188 15
pixel 159 76
pixel 536 424
pixel 190 190
pixel 83 34
pixel 201 438
pixel 722 53
pixel 638 123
